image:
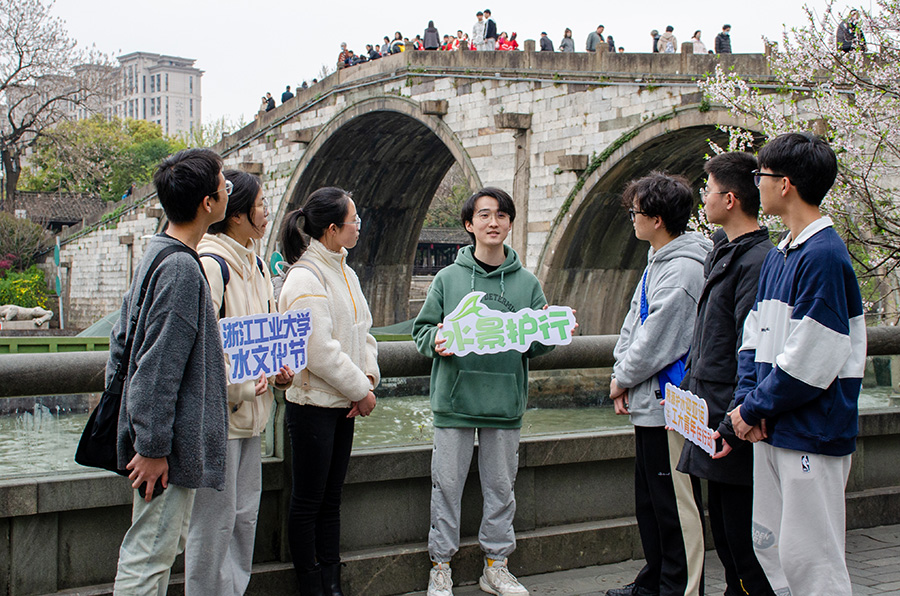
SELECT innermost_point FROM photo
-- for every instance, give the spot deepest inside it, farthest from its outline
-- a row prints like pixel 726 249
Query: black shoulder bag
pixel 97 447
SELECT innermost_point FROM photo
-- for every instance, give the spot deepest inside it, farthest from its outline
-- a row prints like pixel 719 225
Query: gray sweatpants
pixel 219 551
pixel 799 520
pixel 498 462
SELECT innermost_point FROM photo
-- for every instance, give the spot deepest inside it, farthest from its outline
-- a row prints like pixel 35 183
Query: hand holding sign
pixel 689 415
pixel 473 328
pixel 262 345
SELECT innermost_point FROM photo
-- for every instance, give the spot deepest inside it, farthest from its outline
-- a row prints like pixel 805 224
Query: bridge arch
pixel 392 156
pixel 591 259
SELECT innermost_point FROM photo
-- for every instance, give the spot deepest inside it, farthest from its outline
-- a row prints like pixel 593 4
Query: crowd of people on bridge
pixel 486 37
pixel 772 337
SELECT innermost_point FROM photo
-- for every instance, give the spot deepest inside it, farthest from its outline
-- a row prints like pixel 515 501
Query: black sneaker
pixel 631 590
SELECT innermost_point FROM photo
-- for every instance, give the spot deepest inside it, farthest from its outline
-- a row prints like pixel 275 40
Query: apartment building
pixel 161 89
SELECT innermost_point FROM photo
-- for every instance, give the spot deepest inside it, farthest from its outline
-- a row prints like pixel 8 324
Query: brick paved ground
pixel 873 558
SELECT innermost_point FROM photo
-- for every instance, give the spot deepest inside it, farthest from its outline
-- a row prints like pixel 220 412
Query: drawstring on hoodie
pixel 502 285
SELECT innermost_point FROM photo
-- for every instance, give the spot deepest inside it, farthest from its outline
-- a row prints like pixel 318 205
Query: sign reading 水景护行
pixel 262 344
pixel 473 328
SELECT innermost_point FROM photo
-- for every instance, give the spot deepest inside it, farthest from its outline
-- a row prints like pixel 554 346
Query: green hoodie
pixel 479 390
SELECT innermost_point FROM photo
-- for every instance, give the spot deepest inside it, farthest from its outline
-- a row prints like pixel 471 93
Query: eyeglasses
pixel 757 176
pixel 633 212
pixel 704 192
pixel 357 222
pixel 229 186
pixel 486 215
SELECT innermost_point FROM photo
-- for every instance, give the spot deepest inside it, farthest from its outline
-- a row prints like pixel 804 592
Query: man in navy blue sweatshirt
pixel 800 371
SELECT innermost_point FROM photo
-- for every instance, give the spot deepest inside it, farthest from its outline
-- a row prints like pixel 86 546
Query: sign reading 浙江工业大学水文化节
pixel 262 344
pixel 473 328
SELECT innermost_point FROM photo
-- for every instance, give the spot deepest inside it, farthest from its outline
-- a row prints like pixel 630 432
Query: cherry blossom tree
pixel 44 79
pixel 852 99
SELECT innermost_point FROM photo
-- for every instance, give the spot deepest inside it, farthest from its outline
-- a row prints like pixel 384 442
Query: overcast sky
pixel 248 48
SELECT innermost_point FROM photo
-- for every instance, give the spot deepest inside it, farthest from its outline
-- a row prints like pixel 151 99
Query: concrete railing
pixel 51 374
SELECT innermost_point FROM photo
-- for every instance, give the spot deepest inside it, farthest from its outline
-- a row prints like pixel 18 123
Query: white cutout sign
pixel 689 415
pixel 473 328
pixel 261 344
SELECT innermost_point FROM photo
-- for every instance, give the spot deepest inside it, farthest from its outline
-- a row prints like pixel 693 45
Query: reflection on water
pixel 407 421
pixel 43 440
pixel 40 440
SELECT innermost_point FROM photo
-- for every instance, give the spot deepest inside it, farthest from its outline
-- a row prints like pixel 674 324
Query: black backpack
pixel 97 447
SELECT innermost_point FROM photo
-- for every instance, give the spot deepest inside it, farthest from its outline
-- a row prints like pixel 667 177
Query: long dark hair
pixel 241 201
pixel 324 207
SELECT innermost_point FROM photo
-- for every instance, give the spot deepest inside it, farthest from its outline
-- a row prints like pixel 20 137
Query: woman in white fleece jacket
pixel 219 548
pixel 336 385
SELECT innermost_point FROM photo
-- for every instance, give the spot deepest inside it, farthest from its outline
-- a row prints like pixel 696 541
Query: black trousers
pixel 668 517
pixel 730 518
pixel 321 440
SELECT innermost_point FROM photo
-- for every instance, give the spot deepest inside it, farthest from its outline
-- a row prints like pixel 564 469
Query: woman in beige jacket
pixel 336 385
pixel 219 548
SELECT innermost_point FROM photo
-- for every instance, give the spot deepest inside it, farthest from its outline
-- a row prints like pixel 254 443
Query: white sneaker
pixel 497 579
pixel 440 583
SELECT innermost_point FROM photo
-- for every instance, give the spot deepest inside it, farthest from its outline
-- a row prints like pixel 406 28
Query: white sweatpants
pixel 799 520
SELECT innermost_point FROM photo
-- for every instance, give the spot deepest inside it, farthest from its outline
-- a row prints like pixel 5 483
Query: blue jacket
pixel 804 346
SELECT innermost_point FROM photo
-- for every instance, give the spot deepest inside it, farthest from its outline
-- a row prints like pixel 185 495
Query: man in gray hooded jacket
pixel 173 419
pixel 657 333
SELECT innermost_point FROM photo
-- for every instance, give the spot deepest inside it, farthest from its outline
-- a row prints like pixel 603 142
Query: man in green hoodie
pixel 486 393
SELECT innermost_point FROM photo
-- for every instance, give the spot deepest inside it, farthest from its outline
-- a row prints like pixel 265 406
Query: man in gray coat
pixel 173 418
pixel 595 40
pixel 653 341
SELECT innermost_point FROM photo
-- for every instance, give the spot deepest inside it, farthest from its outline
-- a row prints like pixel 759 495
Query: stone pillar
pixel 128 241
pixel 521 126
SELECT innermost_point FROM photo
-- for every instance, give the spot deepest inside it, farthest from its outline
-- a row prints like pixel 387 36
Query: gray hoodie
pixel 674 283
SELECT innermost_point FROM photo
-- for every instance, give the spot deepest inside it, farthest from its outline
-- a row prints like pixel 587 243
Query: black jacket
pixel 491 31
pixel 732 277
pixel 546 44
pixel 723 43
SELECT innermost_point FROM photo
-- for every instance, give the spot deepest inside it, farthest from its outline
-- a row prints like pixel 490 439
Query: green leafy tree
pixel 448 200
pixel 98 156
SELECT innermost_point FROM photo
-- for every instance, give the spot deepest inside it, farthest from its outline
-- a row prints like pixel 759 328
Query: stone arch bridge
pixel 562 132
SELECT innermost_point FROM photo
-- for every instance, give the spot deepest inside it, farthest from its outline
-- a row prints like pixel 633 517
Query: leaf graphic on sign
pixel 475 328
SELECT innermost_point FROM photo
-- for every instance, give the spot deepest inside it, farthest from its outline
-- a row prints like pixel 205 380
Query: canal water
pixel 43 439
